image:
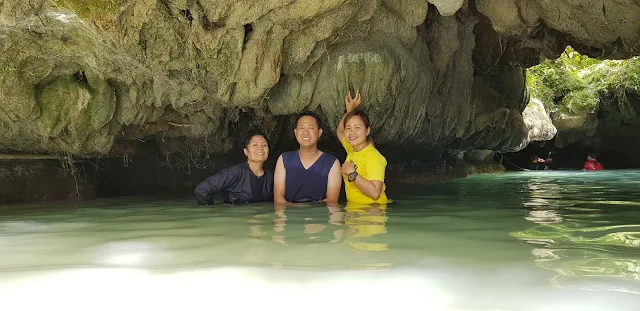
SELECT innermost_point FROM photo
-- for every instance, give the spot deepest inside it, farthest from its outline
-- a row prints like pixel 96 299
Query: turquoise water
pixel 515 241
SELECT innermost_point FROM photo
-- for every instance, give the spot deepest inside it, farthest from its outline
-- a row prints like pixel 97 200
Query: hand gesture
pixel 348 167
pixel 352 103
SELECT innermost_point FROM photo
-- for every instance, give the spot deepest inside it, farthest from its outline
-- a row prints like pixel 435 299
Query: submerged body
pixel 307 174
pixel 238 184
pixel 371 165
pixel 306 184
pixel 593 165
pixel 364 168
pixel 246 182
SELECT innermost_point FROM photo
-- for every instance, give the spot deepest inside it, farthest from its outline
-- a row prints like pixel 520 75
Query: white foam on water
pixel 237 288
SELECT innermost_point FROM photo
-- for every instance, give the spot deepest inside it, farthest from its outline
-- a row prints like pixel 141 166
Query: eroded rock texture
pixel 94 77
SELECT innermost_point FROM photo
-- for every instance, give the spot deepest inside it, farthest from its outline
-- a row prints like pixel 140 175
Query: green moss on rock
pixel 579 101
pixel 573 83
pixel 94 10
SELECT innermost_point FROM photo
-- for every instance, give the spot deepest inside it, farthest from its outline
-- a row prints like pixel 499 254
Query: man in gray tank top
pixel 307 174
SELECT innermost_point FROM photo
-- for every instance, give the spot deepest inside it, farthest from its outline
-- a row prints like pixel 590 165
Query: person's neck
pixel 308 152
pixel 360 147
pixel 256 168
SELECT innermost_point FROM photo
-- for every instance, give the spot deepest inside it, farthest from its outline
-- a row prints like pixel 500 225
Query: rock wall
pixel 99 77
pixel 89 77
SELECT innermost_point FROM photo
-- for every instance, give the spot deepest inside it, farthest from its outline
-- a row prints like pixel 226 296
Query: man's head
pixel 308 129
pixel 592 156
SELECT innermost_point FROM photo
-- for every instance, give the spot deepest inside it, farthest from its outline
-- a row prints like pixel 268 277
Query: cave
pixel 451 87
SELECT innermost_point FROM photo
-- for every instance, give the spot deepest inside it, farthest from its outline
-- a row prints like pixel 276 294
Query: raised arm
pixel 351 104
pixel 334 183
pixel 279 178
pixel 209 187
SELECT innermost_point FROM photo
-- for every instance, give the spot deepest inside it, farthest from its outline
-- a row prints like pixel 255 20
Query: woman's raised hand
pixel 352 103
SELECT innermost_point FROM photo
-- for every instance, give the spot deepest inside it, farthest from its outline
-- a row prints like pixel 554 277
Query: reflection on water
pixel 517 241
pixel 580 234
pixel 347 227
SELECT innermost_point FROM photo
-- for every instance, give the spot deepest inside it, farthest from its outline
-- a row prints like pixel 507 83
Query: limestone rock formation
pixel 536 117
pixel 83 76
pixel 93 77
pixel 595 28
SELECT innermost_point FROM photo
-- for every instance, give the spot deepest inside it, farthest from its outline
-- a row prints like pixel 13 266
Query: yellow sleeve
pixel 347 147
pixel 375 166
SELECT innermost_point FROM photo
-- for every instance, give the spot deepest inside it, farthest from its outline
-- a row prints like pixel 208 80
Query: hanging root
pixel 68 165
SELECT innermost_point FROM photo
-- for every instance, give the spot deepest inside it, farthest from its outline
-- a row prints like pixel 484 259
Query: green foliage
pixel 616 76
pixel 573 83
pixel 579 102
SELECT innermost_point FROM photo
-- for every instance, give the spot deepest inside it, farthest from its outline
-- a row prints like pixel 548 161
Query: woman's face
pixel 257 150
pixel 355 131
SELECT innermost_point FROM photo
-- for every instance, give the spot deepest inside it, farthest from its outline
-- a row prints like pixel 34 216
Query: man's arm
pixel 279 178
pixel 334 183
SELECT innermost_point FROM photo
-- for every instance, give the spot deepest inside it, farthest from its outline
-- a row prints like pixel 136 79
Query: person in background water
pixel 548 163
pixel 592 163
pixel 364 167
pixel 307 174
pixel 245 182
pixel 536 163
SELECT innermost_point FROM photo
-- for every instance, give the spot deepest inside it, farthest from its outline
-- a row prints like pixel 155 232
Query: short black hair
pixel 252 133
pixel 310 114
pixel 593 155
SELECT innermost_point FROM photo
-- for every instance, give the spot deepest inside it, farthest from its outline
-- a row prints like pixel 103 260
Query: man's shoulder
pixel 329 156
pixel 288 154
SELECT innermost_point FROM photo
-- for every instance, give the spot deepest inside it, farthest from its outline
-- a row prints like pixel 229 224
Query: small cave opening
pixel 248 29
pixel 571 157
pixel 187 14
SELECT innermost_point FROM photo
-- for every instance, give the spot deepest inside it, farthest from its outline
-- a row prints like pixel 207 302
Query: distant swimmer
pixel 549 164
pixel 537 164
pixel 592 163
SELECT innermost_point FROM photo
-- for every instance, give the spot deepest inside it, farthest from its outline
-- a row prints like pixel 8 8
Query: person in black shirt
pixel 245 182
pixel 549 164
pixel 536 163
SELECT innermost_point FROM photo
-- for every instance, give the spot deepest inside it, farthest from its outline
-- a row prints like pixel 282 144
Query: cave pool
pixel 566 240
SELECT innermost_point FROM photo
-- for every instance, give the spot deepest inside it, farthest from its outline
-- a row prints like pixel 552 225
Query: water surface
pixel 516 241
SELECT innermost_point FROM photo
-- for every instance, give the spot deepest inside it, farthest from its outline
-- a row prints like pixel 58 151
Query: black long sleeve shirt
pixel 238 184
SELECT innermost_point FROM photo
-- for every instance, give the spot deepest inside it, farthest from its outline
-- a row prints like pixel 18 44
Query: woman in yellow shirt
pixel 364 169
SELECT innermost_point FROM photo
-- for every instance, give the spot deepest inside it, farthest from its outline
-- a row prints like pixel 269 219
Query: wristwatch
pixel 352 176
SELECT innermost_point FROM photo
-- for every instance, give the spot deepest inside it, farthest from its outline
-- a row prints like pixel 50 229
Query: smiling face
pixel 307 131
pixel 257 150
pixel 356 131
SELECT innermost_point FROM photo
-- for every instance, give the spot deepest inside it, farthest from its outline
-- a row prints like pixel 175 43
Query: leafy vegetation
pixel 574 83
